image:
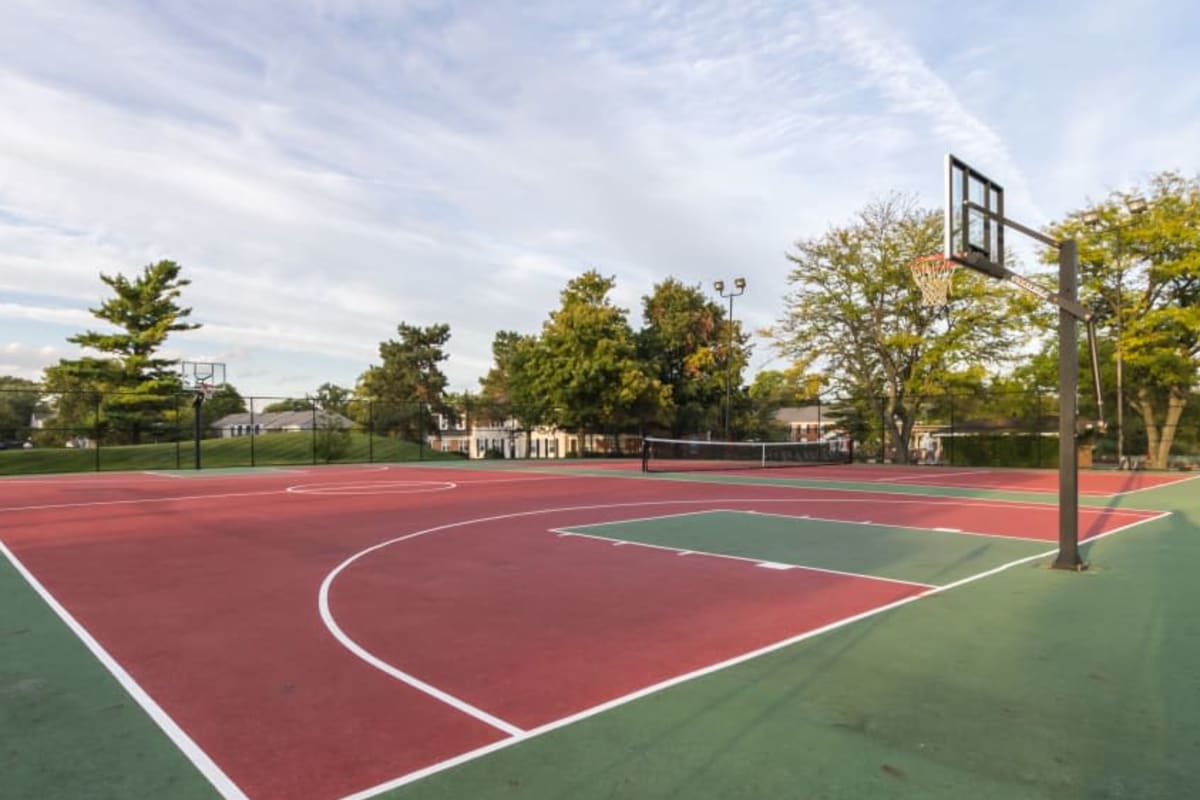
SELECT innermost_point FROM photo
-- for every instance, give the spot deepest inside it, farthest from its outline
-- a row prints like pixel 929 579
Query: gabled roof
pixel 279 420
pixel 794 414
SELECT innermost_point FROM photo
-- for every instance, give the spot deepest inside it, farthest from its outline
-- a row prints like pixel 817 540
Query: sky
pixel 326 170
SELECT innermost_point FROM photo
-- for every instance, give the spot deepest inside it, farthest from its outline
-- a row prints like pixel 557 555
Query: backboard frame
pixel 197 375
pixel 974 218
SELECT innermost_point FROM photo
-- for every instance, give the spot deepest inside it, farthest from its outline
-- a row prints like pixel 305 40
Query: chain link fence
pixel 78 431
pixel 89 431
pixel 1021 429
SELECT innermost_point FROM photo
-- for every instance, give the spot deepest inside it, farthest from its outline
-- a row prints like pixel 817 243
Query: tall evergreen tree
pixel 136 384
pixel 401 394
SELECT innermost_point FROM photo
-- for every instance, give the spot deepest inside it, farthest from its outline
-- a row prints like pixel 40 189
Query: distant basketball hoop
pixel 933 275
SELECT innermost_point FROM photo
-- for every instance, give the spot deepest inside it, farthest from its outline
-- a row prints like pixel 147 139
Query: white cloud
pixel 326 173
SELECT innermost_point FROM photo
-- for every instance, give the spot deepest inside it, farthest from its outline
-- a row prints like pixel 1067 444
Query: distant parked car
pixel 15 444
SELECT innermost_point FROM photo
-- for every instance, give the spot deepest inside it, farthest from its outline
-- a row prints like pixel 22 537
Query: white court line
pixel 900 526
pixel 386 668
pixel 502 744
pixel 155 474
pixel 531 479
pixel 144 500
pixel 758 562
pixel 926 475
pixel 207 767
pixel 1175 482
pixel 826 485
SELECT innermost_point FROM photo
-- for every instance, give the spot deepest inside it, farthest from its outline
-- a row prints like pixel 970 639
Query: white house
pixel 245 423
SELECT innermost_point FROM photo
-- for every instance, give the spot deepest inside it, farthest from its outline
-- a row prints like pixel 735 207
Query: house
pixel 807 423
pixel 246 423
pixel 487 438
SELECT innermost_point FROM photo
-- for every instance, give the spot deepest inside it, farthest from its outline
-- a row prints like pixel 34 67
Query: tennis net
pixel 684 455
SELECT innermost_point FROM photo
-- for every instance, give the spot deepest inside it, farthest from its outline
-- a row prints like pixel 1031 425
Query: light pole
pixel 1136 206
pixel 739 286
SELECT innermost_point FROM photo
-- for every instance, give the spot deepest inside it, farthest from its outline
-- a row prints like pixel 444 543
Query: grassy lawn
pixel 242 451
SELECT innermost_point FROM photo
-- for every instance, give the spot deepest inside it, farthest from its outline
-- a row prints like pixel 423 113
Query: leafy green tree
pixel 289 404
pixel 408 387
pixel 585 368
pixel 773 390
pixel 855 308
pixel 503 395
pixel 332 437
pixel 683 341
pixel 138 385
pixel 19 399
pixel 509 390
pixel 331 397
pixel 1141 273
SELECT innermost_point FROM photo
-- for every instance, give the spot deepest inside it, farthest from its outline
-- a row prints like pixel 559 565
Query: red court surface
pixel 451 619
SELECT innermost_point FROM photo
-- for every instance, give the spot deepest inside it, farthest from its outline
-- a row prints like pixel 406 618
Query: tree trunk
pixel 1176 400
pixel 1159 440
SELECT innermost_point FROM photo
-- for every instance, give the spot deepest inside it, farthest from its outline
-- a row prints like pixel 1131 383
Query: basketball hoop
pixel 203 392
pixel 933 275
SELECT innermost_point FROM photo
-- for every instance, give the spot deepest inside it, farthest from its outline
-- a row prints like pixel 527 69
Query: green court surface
pixel 881 551
pixel 1031 683
pixel 67 728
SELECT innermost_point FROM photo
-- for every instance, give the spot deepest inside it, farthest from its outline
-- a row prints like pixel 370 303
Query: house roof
pixel 302 420
pixel 796 414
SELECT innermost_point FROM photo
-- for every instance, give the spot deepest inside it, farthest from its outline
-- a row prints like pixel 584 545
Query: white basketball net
pixel 933 275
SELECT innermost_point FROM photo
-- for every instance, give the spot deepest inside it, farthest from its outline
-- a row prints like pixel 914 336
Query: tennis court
pixel 359 631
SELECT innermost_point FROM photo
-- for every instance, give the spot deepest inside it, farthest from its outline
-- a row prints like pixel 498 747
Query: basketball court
pixel 339 632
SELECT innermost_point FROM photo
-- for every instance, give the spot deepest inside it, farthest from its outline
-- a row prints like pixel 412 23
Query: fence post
pixel 820 433
pixel 178 435
pixel 370 431
pixel 950 460
pixel 252 463
pixel 314 435
pixel 1037 428
pixel 883 431
pixel 96 430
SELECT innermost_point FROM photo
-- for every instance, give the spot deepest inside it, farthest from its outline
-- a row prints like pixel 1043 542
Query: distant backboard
pixel 974 217
pixel 196 374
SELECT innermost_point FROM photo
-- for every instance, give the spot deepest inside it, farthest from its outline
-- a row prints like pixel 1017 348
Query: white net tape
pixel 933 275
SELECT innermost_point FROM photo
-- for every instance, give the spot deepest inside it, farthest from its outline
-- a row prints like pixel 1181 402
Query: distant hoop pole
pixel 200 394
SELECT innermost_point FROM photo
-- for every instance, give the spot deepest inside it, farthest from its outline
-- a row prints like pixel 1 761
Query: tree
pixel 508 391
pixel 138 386
pixel 1141 272
pixel 289 404
pixel 683 341
pixel 501 388
pixel 773 390
pixel 408 386
pixel 19 400
pixel 331 397
pixel 855 308
pixel 584 366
